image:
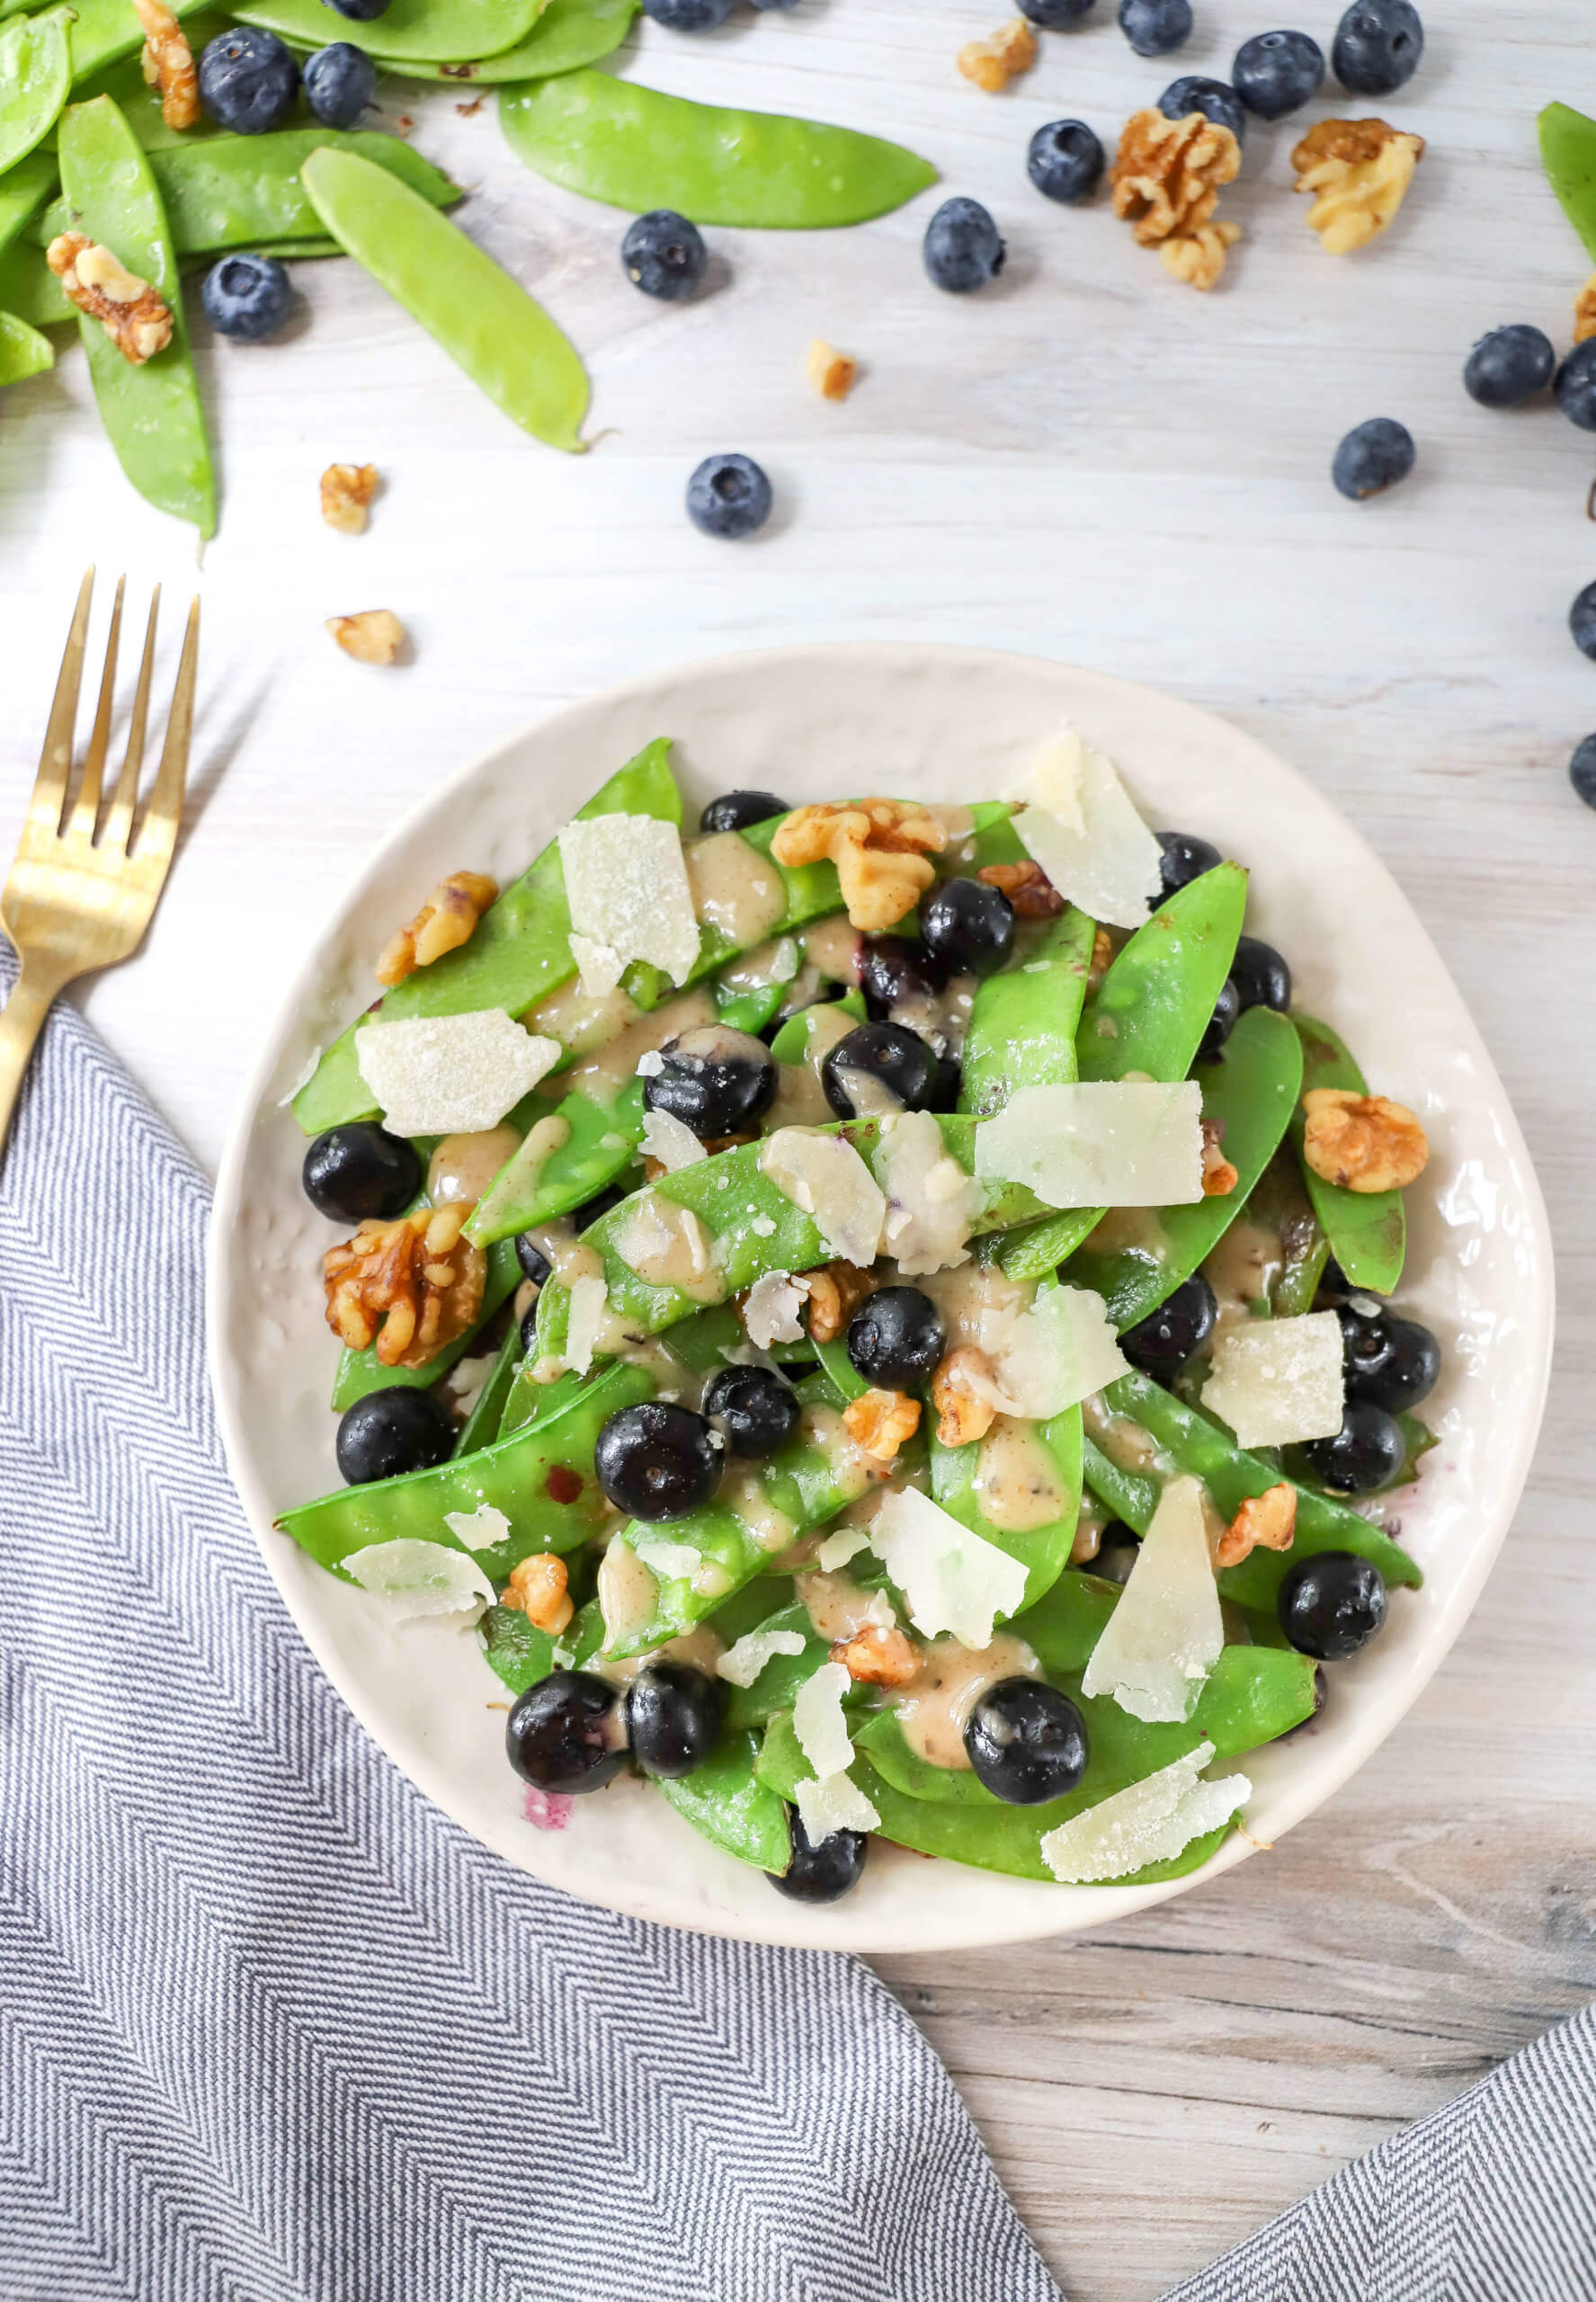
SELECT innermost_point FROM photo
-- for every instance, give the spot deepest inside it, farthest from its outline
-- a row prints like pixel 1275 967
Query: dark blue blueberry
pixel 1582 771
pixel 756 1410
pixel 1364 1455
pixel 968 926
pixel 1275 73
pixel 246 297
pixel 672 1715
pixel 886 1064
pixel 1183 858
pixel 534 1264
pixel 529 1330
pixel 1056 15
pixel 728 496
pixel 1582 620
pixel 1118 1550
pixel 1217 100
pixel 893 971
pixel 1509 366
pixel 1331 1604
pixel 340 82
pixel 1390 1362
pixel 1373 458
pixel 598 1205
pixel 1026 1742
pixel 359 1174
pixel 657 1460
pixel 895 1338
pixel 664 255
pixel 715 1080
pixel 819 1874
pixel 1260 976
pixel 1155 27
pixel 1576 386
pixel 1065 160
pixel 689 16
pixel 360 11
pixel 391 1432
pixel 560 1734
pixel 1221 1022
pixel 736 810
pixel 963 247
pixel 1168 1337
pixel 1377 46
pixel 773 4
pixel 248 81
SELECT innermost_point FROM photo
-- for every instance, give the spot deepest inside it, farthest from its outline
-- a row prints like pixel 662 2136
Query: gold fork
pixel 74 902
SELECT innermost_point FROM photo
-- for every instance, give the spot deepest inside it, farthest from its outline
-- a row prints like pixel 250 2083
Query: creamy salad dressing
pixel 667 1245
pixel 627 1593
pixel 735 888
pixel 934 1708
pixel 1130 1230
pixel 1123 1442
pixel 544 1138
pixel 800 1099
pixel 615 1065
pixel 571 1259
pixel 942 1017
pixel 463 1166
pixel 838 1607
pixel 853 1470
pixel 979 1302
pixel 832 947
pixel 1246 1265
pixel 578 1021
pixel 743 1492
pixel 1017 1478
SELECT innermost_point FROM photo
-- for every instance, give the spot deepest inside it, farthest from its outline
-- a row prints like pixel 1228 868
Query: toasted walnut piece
pixel 1359 171
pixel 878 1657
pixel 880 1421
pixel 1219 1178
pixel 835 1293
pixel 537 1589
pixel 960 1393
pixel 879 848
pixel 167 62
pixel 992 63
pixel 1027 888
pixel 833 373
pixel 374 636
pixel 1585 312
pixel 346 491
pixel 410 1286
pixel 1199 257
pixel 1362 1142
pixel 445 921
pixel 127 307
pixel 1168 174
pixel 1266 1521
pixel 1102 958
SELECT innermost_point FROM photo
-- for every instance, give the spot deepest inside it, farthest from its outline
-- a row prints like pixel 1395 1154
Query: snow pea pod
pixel 960 1477
pixel 519 950
pixel 1568 154
pixel 426 32
pixel 724 1800
pixel 1185 1441
pixel 24 191
pixel 108 30
pixel 468 304
pixel 35 78
pixel 482 1425
pixel 361 1371
pixel 528 1402
pixel 139 102
pixel 778 1683
pixel 151 414
pixel 1249 1095
pixel 629 146
pixel 1278 1205
pixel 515 1648
pixel 1148 1015
pixel 23 351
pixel 1022 1025
pixel 568 33
pixel 1366 1230
pixel 30 290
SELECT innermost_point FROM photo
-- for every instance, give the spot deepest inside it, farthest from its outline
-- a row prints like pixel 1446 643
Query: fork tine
pixel 55 762
pixel 87 808
pixel 157 834
pixel 125 798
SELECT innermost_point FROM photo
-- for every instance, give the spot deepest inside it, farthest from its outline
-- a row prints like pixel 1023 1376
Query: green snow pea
pixel 152 414
pixel 108 30
pixel 724 1800
pixel 1568 154
pixel 484 1423
pixel 515 1648
pixel 528 1402
pixel 1366 1229
pixel 778 1683
pixel 633 148
pixel 1188 1441
pixel 23 351
pixel 1278 1204
pixel 1148 1015
pixel 1250 1095
pixel 1043 1551
pixel 467 304
pixel 35 78
pixel 1066 1623
pixel 30 290
pixel 1022 1024
pixel 423 31
pixel 520 951
pixel 361 1371
pixel 24 191
pixel 514 1475
pixel 568 33
pixel 140 103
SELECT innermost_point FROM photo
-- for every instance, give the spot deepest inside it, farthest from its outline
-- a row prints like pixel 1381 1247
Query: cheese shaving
pixel 1099 1143
pixel 450 1075
pixel 1165 1633
pixel 772 1308
pixel 589 1302
pixel 626 887
pixel 670 1141
pixel 415 1579
pixel 742 1663
pixel 1082 829
pixel 1278 1381
pixel 819 1722
pixel 1060 1351
pixel 837 1549
pixel 826 1178
pixel 666 1561
pixel 484 1528
pixel 1151 1822
pixel 832 1803
pixel 932 1204
pixel 953 1580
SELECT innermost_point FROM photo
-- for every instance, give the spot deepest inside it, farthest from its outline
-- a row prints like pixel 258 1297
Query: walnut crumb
pixel 880 1656
pixel 1199 258
pixel 1266 1521
pixel 880 848
pixel 1102 958
pixel 410 1286
pixel 1027 888
pixel 961 1392
pixel 1168 174
pixel 445 921
pixel 1585 312
pixel 835 1293
pixel 994 62
pixel 346 491
pixel 127 307
pixel 374 636
pixel 168 63
pixel 1363 1143
pixel 880 1421
pixel 1358 172
pixel 1219 1178
pixel 833 373
pixel 537 1589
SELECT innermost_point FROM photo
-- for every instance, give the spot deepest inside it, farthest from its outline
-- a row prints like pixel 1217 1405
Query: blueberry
pixel 1167 1337
pixel 1155 27
pixel 1372 458
pixel 1221 1022
pixel 736 810
pixel 248 80
pixel 1582 771
pixel 773 4
pixel 1576 386
pixel 561 1733
pixel 340 82
pixel 1065 160
pixel 895 1338
pixel 893 971
pixel 1331 1604
pixel 534 1264
pixel 756 1410
pixel 1377 46
pixel 1364 1455
pixel 1582 622
pixel 1217 100
pixel 658 1461
pixel 689 16
pixel 664 255
pixel 729 496
pixel 529 1331
pixel 820 1874
pixel 360 11
pixel 672 1715
pixel 1509 366
pixel 390 1431
pixel 360 1173
pixel 1118 1550
pixel 880 1068
pixel 968 926
pixel 1055 15
pixel 1185 858
pixel 593 1209
pixel 1260 976
pixel 1275 73
pixel 963 248
pixel 1391 1362
pixel 715 1080
pixel 1027 1742
pixel 246 297
pixel 1334 1286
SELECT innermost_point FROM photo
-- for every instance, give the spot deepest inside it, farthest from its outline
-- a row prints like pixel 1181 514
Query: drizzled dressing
pixel 934 1708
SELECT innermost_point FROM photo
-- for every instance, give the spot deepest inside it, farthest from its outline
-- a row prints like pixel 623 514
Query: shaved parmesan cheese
pixel 763 1226
pixel 414 1579
pixel 832 1803
pixel 589 1302
pixel 742 1663
pixel 302 1077
pixel 666 1561
pixel 650 1064
pixel 599 968
pixel 670 1141
pixel 626 884
pixel 1099 1143
pixel 1164 1636
pixel 953 1580
pixel 837 1549
pixel 771 1309
pixel 1279 1381
pixel 827 1179
pixel 1083 830
pixel 818 1720
pixel 450 1075
pixel 1060 1351
pixel 931 1202
pixel 483 1528
pixel 785 960
pixel 1151 1822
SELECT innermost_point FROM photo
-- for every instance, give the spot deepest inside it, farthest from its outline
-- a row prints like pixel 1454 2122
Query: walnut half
pixel 961 1392
pixel 880 1421
pixel 445 921
pixel 1026 887
pixel 127 307
pixel 879 847
pixel 168 63
pixel 1358 172
pixel 1168 173
pixel 1266 1521
pixel 410 1286
pixel 1220 1177
pixel 878 1657
pixel 537 1589
pixel 835 1293
pixel 1364 1143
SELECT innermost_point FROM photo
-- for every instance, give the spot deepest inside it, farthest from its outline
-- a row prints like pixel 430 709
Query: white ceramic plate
pixel 941 723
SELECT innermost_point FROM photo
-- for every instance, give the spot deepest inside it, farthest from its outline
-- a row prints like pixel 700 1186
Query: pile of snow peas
pixel 661 1525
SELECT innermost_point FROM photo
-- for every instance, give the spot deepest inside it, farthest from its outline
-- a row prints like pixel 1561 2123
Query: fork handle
pixel 22 1020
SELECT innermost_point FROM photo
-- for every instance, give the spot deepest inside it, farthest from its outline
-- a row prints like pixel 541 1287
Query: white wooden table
pixel 1087 461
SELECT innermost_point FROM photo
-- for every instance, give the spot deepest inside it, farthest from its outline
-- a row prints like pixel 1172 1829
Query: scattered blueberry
pixel 1275 73
pixel 664 255
pixel 1373 458
pixel 1055 15
pixel 599 1205
pixel 560 1733
pixel 1065 160
pixel 340 82
pixel 1026 1742
pixel 1331 1604
pixel 360 11
pixel 1576 386
pixel 756 1411
pixel 390 1431
pixel 689 16
pixel 963 247
pixel 1509 366
pixel 1377 46
pixel 657 1460
pixel 1364 1455
pixel 1582 771
pixel 360 1173
pixel 1581 621
pixel 715 1080
pixel 529 1330
pixel 819 1874
pixel 736 810
pixel 1185 858
pixel 247 297
pixel 728 495
pixel 1118 1550
pixel 1391 1362
pixel 1168 1336
pixel 876 1067
pixel 248 80
pixel 895 1338
pixel 1217 100
pixel 1260 976
pixel 1155 27
pixel 892 971
pixel 968 926
pixel 672 1715
pixel 1221 1022
pixel 534 1264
